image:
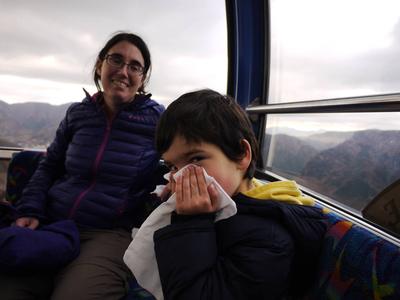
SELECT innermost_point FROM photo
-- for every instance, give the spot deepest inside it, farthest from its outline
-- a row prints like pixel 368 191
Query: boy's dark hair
pixel 207 116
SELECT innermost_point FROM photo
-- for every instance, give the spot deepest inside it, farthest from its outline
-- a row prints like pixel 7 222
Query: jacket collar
pixel 140 101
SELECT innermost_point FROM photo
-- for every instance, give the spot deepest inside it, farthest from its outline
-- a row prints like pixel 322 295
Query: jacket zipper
pixel 99 156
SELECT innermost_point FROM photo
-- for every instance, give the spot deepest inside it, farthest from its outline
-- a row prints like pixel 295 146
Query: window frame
pixel 244 20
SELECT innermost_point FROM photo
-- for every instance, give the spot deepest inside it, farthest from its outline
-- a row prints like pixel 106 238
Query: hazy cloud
pixel 331 52
pixel 59 40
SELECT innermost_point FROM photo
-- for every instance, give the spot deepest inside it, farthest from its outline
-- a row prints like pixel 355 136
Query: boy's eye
pixel 196 159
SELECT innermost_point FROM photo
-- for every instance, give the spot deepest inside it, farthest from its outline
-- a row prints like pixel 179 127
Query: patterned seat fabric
pixel 356 264
pixel 22 166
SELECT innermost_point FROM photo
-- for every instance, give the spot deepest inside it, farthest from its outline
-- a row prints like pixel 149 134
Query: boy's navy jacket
pixel 97 172
pixel 268 250
pixel 48 248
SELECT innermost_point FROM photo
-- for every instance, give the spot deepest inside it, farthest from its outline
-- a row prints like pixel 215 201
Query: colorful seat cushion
pixel 22 166
pixel 356 264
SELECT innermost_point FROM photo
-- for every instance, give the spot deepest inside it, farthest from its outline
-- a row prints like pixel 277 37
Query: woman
pixel 97 172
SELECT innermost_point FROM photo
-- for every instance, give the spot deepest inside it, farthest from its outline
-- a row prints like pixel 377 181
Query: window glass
pixel 333 48
pixel 347 157
pixel 49 49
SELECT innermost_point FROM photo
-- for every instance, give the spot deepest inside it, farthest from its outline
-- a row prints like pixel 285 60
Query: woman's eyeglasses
pixel 117 61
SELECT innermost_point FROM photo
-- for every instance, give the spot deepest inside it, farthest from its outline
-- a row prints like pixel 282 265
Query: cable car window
pixel 350 160
pixel 333 49
pixel 49 49
pixel 325 50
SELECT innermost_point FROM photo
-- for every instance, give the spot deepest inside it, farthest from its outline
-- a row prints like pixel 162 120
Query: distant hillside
pixel 29 124
pixel 357 169
pixel 326 140
pixel 7 143
pixel 293 132
pixel 318 139
pixel 349 167
pixel 291 153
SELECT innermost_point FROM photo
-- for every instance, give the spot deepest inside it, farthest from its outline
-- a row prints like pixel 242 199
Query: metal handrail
pixel 5 148
pixel 375 103
pixel 7 152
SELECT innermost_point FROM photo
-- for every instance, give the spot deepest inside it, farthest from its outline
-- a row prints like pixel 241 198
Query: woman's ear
pixel 141 88
pixel 99 64
pixel 245 161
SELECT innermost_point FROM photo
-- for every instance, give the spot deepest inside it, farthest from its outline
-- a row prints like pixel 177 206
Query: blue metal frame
pixel 248 79
pixel 248 57
pixel 247 46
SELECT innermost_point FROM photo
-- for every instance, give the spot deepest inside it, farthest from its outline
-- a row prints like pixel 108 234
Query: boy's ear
pixel 246 158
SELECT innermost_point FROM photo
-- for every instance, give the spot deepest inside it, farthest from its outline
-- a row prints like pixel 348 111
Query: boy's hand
pixel 192 194
pixel 166 192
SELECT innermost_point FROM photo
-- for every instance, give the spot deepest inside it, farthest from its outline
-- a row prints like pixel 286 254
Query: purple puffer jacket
pixel 97 172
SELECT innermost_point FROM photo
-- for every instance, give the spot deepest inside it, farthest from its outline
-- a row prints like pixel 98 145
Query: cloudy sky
pixel 48 47
pixel 319 49
pixel 334 48
pixel 322 49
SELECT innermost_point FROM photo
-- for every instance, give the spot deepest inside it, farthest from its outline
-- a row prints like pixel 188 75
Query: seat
pixel 22 166
pixel 354 263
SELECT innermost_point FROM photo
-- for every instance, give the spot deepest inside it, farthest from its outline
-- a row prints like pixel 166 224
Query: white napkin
pixel 140 256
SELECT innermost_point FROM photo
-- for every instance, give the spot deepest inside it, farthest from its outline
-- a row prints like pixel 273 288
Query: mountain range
pixel 350 167
pixel 29 125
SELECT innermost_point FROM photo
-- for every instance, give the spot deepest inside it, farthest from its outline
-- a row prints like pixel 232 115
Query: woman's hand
pixel 29 222
pixel 192 194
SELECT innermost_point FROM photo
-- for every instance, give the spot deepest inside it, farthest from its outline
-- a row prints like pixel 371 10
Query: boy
pixel 268 250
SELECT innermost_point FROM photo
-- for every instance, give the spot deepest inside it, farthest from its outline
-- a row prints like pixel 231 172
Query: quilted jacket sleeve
pixel 33 199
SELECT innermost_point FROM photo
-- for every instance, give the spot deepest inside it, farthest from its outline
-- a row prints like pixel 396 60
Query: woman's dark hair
pixel 207 116
pixel 134 40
